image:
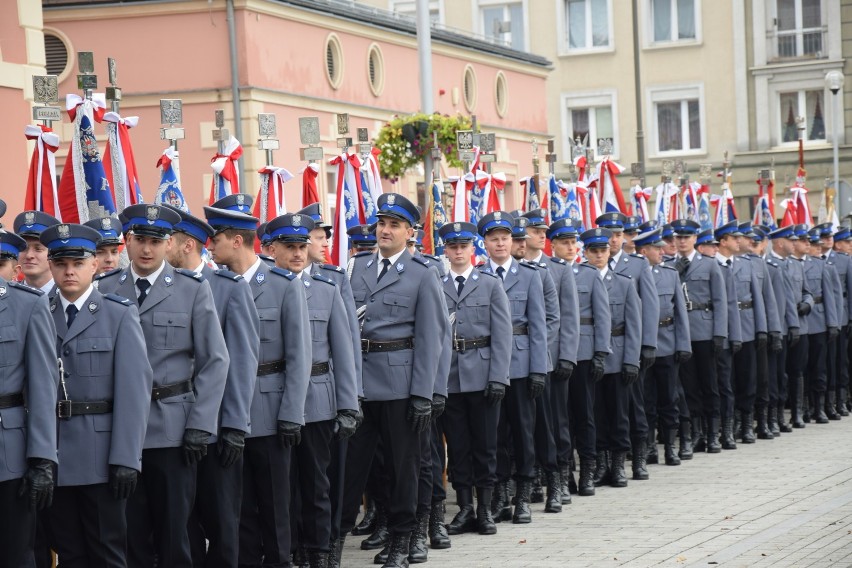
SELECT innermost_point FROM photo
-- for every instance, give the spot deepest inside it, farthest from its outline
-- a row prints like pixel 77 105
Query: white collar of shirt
pixel 506 265
pixel 724 259
pixel 47 287
pixel 249 274
pixel 392 260
pixel 537 259
pixel 466 274
pixel 776 255
pixel 200 267
pixel 604 272
pixel 690 256
pixel 80 302
pixel 616 257
pixel 152 278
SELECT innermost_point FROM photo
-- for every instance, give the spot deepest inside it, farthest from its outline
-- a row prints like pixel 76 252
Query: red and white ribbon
pixel 270 202
pixel 225 168
pixel 310 192
pixel 119 163
pixel 640 197
pixel 42 194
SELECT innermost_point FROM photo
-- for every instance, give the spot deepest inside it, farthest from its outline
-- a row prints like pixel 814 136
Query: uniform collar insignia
pixel 475 276
pixel 307 283
pixel 123 278
pixel 609 276
pixel 446 278
pixel 53 305
pixel 92 307
pixel 2 290
pixel 400 267
pixel 370 263
pixel 513 270
pixel 168 280
pixel 260 277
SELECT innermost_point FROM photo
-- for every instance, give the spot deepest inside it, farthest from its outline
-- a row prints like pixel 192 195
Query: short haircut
pixel 248 236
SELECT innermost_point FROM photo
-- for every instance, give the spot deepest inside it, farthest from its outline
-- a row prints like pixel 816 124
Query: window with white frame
pixel 587 24
pixel 678 120
pixel 674 20
pixel 799 28
pixel 805 103
pixel 503 22
pixel 409 8
pixel 590 118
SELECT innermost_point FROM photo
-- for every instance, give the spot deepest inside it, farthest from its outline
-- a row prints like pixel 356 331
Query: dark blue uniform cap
pixel 631 225
pixel 193 226
pixel 239 202
pixel 223 219
pixel 109 228
pixel 517 213
pixel 706 238
pixel 496 220
pixel 291 228
pixel 67 240
pixel 728 229
pixel 314 211
pixel 649 225
pixel 399 207
pixel 362 235
pixel 813 235
pixel 151 220
pixel 668 231
pixel 825 229
pixel 684 227
pixel 519 227
pixel 594 238
pixel 614 221
pixel 788 232
pixel 262 234
pixel 842 234
pixel 654 237
pixel 11 245
pixel 32 223
pixel 460 232
pixel 537 218
pixel 801 230
pixel 562 229
pixel 745 229
pixel 759 233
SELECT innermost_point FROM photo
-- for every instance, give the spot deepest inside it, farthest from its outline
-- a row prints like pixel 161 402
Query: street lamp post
pixel 834 82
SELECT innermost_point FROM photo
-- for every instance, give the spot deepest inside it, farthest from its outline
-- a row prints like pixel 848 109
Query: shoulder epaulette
pixel 491 274
pixel 771 262
pixel 481 265
pixel 363 253
pixel 422 261
pixel 333 267
pixel 541 264
pixel 557 260
pixel 666 266
pixel 118 299
pixel 623 275
pixel 228 274
pixel 584 265
pixel 190 274
pixel 109 273
pixel 636 255
pixel 321 278
pixel 431 256
pixel 281 272
pixel 529 265
pixel 30 289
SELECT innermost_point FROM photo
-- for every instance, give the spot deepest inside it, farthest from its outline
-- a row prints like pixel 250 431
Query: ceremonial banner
pixel 664 193
pixel 42 194
pixel 558 204
pixel 529 194
pixel 613 199
pixel 436 217
pixel 371 184
pixel 226 177
pixel 169 191
pixel 269 202
pixel 705 219
pixel 367 203
pixel 572 204
pixel 119 163
pixel 640 198
pixel 348 206
pixel 310 193
pixel 762 214
pixel 461 200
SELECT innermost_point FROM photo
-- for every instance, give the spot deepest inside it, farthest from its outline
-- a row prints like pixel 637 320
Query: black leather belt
pixel 587 321
pixel 520 330
pixel 817 299
pixel 67 408
pixel 11 400
pixel 271 368
pixel 745 305
pixel 174 389
pixel 667 321
pixel 618 331
pixel 370 346
pixel 692 306
pixel 319 369
pixel 461 345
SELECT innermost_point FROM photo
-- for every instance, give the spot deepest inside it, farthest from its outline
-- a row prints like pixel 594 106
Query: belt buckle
pixel 460 345
pixel 689 305
pixel 365 345
pixel 63 409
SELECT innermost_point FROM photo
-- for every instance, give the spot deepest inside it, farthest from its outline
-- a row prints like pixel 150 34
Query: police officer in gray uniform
pixel 673 345
pixel 797 358
pixel 104 401
pixel 840 256
pixel 277 411
pixel 28 391
pixel 220 473
pixel 190 361
pixel 33 259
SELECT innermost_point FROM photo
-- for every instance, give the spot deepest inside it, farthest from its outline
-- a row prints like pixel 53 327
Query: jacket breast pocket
pixel 319 324
pixel 94 356
pixel 10 349
pixel 518 302
pixel 171 331
pixel 478 308
pixel 269 326
pixel 14 440
pixel 397 306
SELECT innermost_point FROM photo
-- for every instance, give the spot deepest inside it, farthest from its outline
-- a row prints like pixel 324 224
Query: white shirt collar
pixel 80 302
pixel 200 267
pixel 506 265
pixel 690 256
pixel 152 278
pixel 393 259
pixel 604 272
pixel 48 287
pixel 538 259
pixel 723 259
pixel 466 274
pixel 774 254
pixel 249 274
pixel 616 257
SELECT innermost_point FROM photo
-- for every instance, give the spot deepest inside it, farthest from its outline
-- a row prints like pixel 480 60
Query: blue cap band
pixel 230 223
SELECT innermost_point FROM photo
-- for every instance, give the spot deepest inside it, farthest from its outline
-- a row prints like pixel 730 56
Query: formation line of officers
pixel 158 411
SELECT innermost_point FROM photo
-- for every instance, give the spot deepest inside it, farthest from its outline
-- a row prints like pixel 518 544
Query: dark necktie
pixel 70 314
pixel 728 263
pixel 500 272
pixel 385 267
pixel 460 280
pixel 612 264
pixel 143 286
pixel 682 265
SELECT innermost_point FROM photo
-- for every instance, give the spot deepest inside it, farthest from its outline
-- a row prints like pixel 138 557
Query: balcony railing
pixel 804 43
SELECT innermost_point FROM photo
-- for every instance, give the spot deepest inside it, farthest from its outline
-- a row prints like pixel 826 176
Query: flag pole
pixel 424 56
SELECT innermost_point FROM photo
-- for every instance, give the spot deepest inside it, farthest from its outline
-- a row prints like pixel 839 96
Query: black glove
pixel 803 308
pixel 760 339
pixel 230 446
pixel 598 365
pixel 775 341
pixel 359 417
pixel 122 481
pixel 718 343
pixel 289 434
pixel 494 393
pixel 536 385
pixel 345 424
pixel 793 336
pixel 647 356
pixel 563 371
pixel 833 332
pixel 194 445
pixel 630 374
pixel 682 357
pixel 439 404
pixel 736 346
pixel 38 482
pixel 419 412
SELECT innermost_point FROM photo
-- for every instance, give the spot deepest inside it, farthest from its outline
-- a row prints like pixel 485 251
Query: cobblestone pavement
pixel 784 502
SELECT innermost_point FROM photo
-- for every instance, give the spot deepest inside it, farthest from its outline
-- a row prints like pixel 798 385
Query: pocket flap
pixel 13 417
pixel 318 315
pixel 270 384
pixel 477 301
pixel 518 295
pixel 583 289
pixel 172 319
pixel 267 314
pixel 359 295
pixel 700 276
pixel 8 333
pixel 88 344
pixel 400 358
pixel 396 300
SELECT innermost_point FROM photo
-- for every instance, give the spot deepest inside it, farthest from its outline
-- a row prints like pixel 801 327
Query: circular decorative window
pixel 501 94
pixel 469 87
pixel 333 61
pixel 56 52
pixel 376 69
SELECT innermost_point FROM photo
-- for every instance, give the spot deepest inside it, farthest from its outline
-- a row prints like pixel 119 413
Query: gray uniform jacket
pixel 405 304
pixel 102 355
pixel 778 269
pixel 551 312
pixel 526 301
pixel 184 341
pixel 673 336
pixel 331 342
pixel 284 336
pixel 637 268
pixel 749 298
pixel 843 264
pixel 445 359
pixel 241 329
pixel 818 281
pixel 595 318
pixel 799 287
pixel 28 357
pixel 773 311
pixel 705 286
pixel 735 331
pixel 482 310
pixel 625 311
pixel 839 288
pixel 569 310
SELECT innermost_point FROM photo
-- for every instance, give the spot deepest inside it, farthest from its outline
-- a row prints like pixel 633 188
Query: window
pixel 673 20
pixel 501 94
pixel 799 31
pixel 589 117
pixel 408 8
pixel 808 104
pixel 504 23
pixel 469 87
pixel 677 119
pixel 56 53
pixel 376 70
pixel 333 61
pixel 587 22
